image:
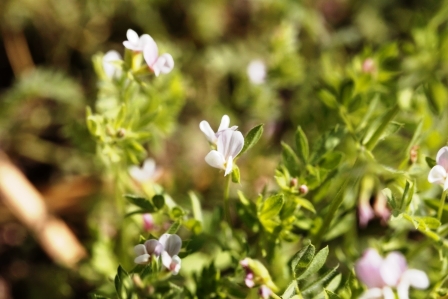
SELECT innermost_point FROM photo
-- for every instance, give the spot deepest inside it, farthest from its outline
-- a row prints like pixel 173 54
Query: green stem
pixel 226 199
pixel 275 296
pixel 442 203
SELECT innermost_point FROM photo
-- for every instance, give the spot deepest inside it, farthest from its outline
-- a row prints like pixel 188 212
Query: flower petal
pixel 137 174
pixel 166 259
pixel 132 36
pixel 215 159
pixel 149 167
pixel 388 293
pixel 208 131
pixel 415 278
pixel 109 68
pixel 142 259
pixel 229 166
pixel 236 143
pixel 442 157
pixel 144 40
pixel 375 293
pixel 365 213
pixel 154 247
pixel 150 52
pixel 140 249
pixel 165 63
pixel 437 175
pixel 225 122
pixel 393 268
pixel 175 265
pixel 171 243
pixel 367 269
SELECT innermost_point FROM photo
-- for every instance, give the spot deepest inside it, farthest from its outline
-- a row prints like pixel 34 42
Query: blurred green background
pixel 47 79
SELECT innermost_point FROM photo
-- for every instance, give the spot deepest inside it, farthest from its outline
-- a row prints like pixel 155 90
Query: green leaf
pixel 159 201
pixel 331 160
pixel 323 281
pixel 269 210
pixel 317 263
pixel 236 174
pixel 302 202
pixel 302 145
pixel 174 227
pixel 252 138
pixel 122 283
pixel 96 296
pixel 331 295
pixel 378 127
pixel 302 259
pixel 290 159
pixel 141 202
pixel 431 162
pixel 290 290
pixel 196 206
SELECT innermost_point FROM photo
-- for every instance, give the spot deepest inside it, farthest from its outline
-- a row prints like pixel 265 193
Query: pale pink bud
pixel 148 222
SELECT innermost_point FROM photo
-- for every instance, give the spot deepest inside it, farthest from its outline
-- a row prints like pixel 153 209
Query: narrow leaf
pixel 302 259
pixel 174 227
pixel 431 162
pixel 141 202
pixel 290 159
pixel 196 206
pixel 159 201
pixel 302 145
pixel 323 281
pixel 317 263
pixel 236 174
pixel 252 138
pixel 290 290
pixel 331 295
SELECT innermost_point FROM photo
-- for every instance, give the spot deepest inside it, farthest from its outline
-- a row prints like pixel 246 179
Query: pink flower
pixel 148 222
pixel 212 137
pixel 381 275
pixel 365 213
pixel 162 64
pixel 136 43
pixel 438 174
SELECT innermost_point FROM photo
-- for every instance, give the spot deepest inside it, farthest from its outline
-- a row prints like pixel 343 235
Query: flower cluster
pixel 158 64
pixel 257 275
pixel 168 247
pixel 227 141
pixel 381 275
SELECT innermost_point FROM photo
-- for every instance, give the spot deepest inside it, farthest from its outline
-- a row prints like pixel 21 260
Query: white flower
pixel 145 251
pixel 438 174
pixel 136 43
pixel 162 64
pixel 111 70
pixel 212 137
pixel 171 244
pixel 230 144
pixel 145 173
pixel 256 70
pixel 381 275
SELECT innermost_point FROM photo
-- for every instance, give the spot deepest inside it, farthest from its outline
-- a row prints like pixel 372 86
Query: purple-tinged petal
pixel 365 213
pixel 367 269
pixel 415 278
pixel 208 131
pixel 154 247
pixel 150 53
pixel 236 144
pixel 171 243
pixel 393 268
pixel 175 265
pixel 145 39
pixel 215 159
pixel 437 175
pixel 442 157
pixel 165 63
pixel 265 292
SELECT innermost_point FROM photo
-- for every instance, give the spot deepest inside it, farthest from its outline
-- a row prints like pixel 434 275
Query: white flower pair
pixel 439 173
pixel 228 142
pixel 162 64
pixel 168 247
pixel 381 275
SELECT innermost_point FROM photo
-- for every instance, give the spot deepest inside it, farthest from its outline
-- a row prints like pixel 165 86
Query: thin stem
pixel 275 296
pixel 442 203
pixel 226 199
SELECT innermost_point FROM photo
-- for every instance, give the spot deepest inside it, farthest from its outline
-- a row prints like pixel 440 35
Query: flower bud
pixel 368 66
pixel 303 189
